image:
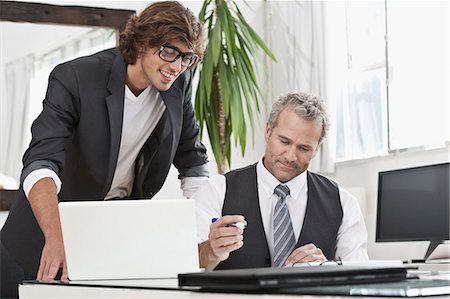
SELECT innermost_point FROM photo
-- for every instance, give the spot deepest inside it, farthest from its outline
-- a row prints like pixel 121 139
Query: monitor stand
pixel 445 250
pixel 431 248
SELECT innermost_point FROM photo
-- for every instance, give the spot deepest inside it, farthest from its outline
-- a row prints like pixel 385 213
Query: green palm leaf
pixel 228 78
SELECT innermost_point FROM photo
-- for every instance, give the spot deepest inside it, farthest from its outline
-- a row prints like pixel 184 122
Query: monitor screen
pixel 413 204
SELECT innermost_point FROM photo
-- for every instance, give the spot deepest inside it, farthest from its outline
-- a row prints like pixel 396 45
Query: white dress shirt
pixel 352 234
pixel 141 115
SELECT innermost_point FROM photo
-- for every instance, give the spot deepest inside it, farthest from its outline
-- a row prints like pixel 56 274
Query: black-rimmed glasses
pixel 171 54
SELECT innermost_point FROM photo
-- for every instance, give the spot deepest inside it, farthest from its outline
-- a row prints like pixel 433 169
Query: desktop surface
pixel 168 288
pixel 154 283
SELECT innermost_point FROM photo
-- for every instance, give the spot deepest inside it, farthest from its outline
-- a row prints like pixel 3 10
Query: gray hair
pixel 306 106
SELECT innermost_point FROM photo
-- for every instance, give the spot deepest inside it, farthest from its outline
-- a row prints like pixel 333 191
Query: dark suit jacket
pixel 77 135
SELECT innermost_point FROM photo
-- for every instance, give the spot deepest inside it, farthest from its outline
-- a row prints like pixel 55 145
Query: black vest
pixel 320 226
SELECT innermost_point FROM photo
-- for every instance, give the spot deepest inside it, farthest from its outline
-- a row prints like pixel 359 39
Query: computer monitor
pixel 413 205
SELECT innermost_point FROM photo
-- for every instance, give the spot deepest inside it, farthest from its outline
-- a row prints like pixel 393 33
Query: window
pixel 418 57
pixel 396 87
pixel 361 126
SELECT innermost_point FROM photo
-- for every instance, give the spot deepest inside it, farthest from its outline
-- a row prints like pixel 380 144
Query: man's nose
pixel 176 65
pixel 291 154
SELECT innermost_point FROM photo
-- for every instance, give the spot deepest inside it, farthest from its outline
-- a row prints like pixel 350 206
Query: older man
pixel 293 215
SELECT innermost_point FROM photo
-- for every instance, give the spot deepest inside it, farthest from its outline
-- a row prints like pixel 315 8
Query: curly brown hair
pixel 159 23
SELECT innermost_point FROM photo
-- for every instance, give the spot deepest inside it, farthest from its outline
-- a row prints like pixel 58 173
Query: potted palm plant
pixel 228 78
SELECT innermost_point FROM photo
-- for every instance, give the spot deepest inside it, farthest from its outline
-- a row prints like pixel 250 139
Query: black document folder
pixel 276 278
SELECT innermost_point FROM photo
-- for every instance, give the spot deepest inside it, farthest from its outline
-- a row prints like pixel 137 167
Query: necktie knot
pixel 282 191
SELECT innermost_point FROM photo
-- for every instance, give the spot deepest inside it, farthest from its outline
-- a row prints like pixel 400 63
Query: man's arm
pixel 351 243
pixel 352 235
pixel 192 179
pixel 216 240
pixel 47 150
pixel 222 240
pixel 190 158
pixel 44 203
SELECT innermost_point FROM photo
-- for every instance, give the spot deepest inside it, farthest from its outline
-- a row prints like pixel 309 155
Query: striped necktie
pixel 283 233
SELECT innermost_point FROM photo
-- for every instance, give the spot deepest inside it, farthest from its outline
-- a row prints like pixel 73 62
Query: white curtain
pixel 298 38
pixel 14 112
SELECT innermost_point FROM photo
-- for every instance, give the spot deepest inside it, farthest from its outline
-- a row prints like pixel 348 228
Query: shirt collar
pixel 268 182
pixel 141 97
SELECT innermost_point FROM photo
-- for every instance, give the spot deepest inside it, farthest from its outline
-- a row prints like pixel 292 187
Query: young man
pixel 111 126
pixel 293 215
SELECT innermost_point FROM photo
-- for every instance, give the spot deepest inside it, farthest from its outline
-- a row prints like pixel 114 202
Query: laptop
pixel 263 279
pixel 129 239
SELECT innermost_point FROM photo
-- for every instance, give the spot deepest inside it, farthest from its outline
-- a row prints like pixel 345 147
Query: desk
pixel 149 288
pixel 145 288
pixel 430 267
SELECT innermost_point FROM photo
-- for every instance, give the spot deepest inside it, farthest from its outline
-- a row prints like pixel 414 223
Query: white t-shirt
pixel 141 115
pixel 352 234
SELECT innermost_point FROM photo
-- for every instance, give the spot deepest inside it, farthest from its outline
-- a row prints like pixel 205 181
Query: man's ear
pixel 140 51
pixel 267 132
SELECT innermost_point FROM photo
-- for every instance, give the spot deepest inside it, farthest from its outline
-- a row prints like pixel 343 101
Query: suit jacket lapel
pixel 115 105
pixel 174 104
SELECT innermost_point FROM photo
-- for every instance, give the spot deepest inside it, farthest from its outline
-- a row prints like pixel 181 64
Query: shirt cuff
pixel 190 185
pixel 37 175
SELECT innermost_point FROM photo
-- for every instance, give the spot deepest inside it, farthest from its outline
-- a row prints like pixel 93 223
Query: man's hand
pixel 52 259
pixel 222 240
pixel 306 254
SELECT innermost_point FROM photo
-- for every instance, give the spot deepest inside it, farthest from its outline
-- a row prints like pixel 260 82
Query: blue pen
pixel 240 225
